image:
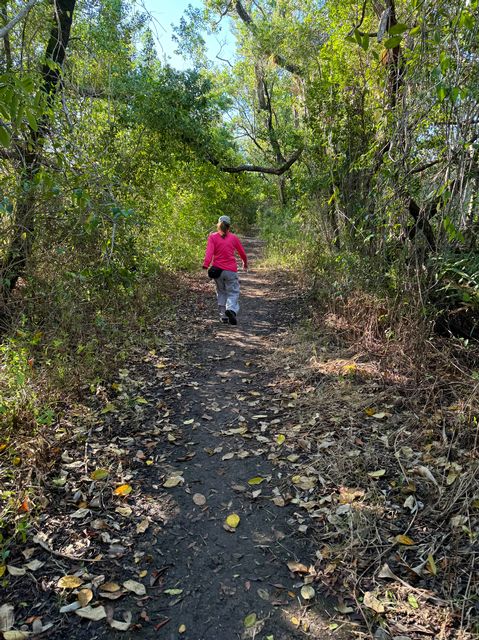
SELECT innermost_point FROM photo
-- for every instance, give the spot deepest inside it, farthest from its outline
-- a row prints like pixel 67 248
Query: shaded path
pixel 225 576
pixel 184 429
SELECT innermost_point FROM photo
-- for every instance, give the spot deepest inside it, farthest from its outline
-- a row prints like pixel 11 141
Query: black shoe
pixel 231 316
pixel 224 320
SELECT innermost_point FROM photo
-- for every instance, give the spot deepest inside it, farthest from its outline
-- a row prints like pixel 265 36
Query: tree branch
pixel 21 14
pixel 275 171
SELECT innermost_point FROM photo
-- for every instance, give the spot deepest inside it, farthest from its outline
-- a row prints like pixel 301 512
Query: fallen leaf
pixel 122 626
pixel 199 499
pixel 7 617
pixel 412 601
pixel 386 573
pixel 136 587
pixel 142 526
pixel 380 416
pixel 34 565
pixel 99 474
pixel 16 571
pixel 256 480
pixel 377 474
pixel 85 596
pixel 307 592
pixel 431 565
pixel 69 582
pixel 68 608
pixel 280 438
pixel 232 520
pixel 250 620
pixel 172 481
pixel 406 540
pixel 111 587
pixel 173 592
pixel 182 628
pixel 123 490
pixel 297 567
pixel 372 602
pixel 124 511
pixel 92 613
pixel 15 635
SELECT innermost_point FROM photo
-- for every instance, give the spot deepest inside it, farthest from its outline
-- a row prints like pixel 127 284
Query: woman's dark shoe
pixel 231 316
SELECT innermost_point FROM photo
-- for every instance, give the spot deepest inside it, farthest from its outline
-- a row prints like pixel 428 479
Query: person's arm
pixel 242 253
pixel 210 249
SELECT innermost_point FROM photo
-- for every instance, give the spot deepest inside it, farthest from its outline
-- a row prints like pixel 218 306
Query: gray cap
pixel 225 219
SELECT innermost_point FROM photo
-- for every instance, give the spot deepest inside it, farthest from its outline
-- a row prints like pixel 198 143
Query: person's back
pixel 223 249
pixel 220 254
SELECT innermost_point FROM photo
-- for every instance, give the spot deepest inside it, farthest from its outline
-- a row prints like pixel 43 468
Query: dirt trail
pixel 197 416
pixel 226 576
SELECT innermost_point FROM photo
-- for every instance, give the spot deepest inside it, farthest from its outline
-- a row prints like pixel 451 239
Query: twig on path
pixel 58 554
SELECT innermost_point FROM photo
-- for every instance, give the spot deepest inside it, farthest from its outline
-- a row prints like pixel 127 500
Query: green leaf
pixel 397 29
pixel 32 121
pixel 250 620
pixel 441 93
pixel 5 137
pixel 99 474
pixel 392 43
pixel 412 601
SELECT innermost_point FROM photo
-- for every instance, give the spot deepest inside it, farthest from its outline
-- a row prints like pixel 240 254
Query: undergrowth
pixel 66 341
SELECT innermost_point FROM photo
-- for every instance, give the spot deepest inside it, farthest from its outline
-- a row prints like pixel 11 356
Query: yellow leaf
pixel 123 490
pixel 99 474
pixel 431 565
pixel 3 568
pixel 369 411
pixel 401 539
pixel 256 480
pixel 233 520
pixel 16 460
pixel 69 582
pixel 84 596
pixel 280 438
pixel 182 628
pixel 294 620
pixel 143 573
pixel 110 587
pixel 149 463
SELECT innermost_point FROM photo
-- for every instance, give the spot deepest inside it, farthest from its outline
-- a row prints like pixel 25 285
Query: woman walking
pixel 220 254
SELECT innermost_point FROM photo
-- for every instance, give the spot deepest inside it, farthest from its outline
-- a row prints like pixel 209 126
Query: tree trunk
pixel 15 263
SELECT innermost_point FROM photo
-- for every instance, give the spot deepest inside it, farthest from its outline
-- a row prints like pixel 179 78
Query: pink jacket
pixel 220 251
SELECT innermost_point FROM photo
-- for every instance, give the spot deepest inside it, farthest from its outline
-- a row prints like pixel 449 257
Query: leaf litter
pixel 359 482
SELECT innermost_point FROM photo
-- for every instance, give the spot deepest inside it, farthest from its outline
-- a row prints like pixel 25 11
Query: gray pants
pixel 228 291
